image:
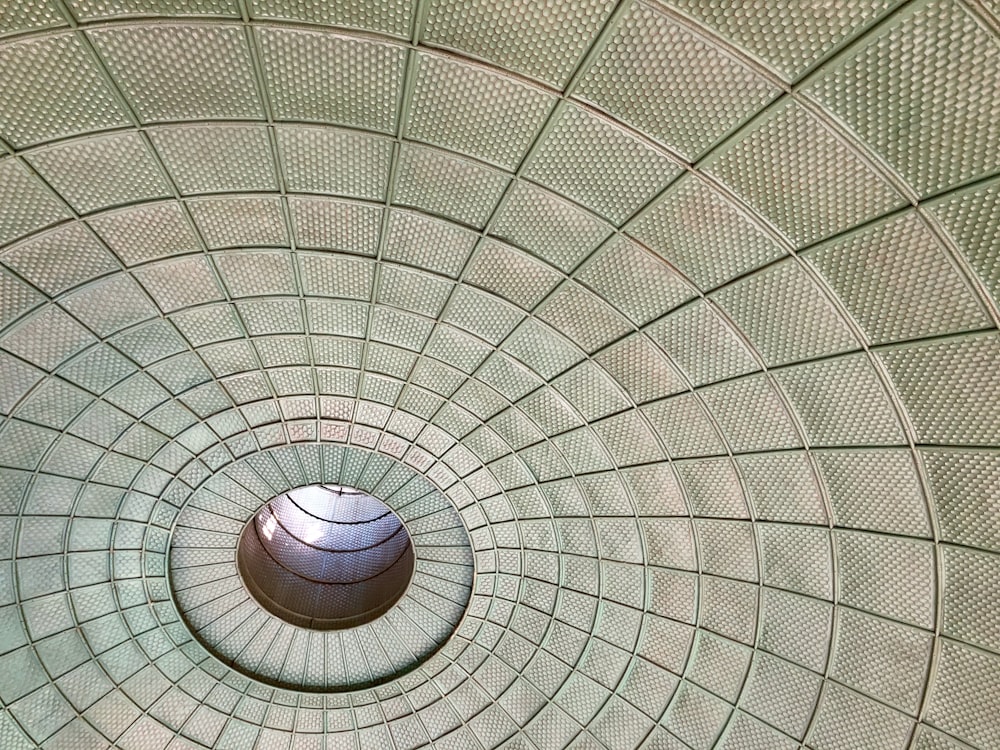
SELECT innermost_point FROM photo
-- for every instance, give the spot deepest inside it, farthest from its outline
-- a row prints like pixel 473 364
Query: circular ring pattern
pixel 278 649
pixel 325 557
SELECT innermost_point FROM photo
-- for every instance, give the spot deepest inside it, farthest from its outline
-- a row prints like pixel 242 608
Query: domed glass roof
pixel 666 328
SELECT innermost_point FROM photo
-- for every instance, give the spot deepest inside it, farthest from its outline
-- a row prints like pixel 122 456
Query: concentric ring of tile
pixel 233 626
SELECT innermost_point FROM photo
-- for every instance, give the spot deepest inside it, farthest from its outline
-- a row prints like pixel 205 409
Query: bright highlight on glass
pixel 326 557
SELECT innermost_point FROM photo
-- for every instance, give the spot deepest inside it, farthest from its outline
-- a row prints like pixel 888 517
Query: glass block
pixel 970 599
pixel 581 316
pixel 686 93
pixel 257 273
pixel 108 305
pixel 53 89
pixel 25 15
pixel 824 189
pixel 882 659
pixel 971 218
pixel 957 703
pixel 599 165
pixel 629 440
pixel 42 713
pixel 696 716
pixel 727 549
pixel 181 72
pixel 18 298
pixel 174 285
pixel 796 627
pixel 804 33
pixel 797 559
pixel 719 665
pixel 935 39
pixel 712 487
pixel 208 324
pixel 641 369
pixel 99 172
pixel 359 79
pixel 685 427
pixel 47 338
pixel 93 9
pixel 475 112
pixel 481 314
pixel 334 225
pixel 587 388
pixel 743 731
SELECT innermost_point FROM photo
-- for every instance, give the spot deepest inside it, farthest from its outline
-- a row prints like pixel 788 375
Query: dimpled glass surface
pixel 667 328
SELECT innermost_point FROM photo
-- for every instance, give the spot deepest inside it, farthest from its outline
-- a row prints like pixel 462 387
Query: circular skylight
pixel 326 557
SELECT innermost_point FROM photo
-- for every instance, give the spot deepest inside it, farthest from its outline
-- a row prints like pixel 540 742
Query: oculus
pixel 326 557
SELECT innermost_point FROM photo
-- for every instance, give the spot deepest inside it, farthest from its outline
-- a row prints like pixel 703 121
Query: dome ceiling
pixel 668 329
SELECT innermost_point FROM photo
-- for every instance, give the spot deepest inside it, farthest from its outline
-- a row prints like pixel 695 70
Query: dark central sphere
pixel 326 557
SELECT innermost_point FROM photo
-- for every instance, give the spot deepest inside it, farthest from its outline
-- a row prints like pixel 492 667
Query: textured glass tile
pixel 390 17
pixel 28 205
pixel 898 283
pixel 785 315
pixel 181 72
pixel 845 719
pixel 27 14
pixel 599 165
pixel 59 259
pixel 948 390
pixel 98 172
pixel 697 230
pixel 686 93
pixel 440 183
pixel 800 177
pixel 971 217
pixel 216 158
pixel 957 704
pixel 324 78
pixel 51 88
pixel 475 112
pixel 547 46
pixel 946 145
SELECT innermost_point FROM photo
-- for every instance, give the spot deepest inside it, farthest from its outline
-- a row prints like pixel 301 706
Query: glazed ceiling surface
pixel 668 329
